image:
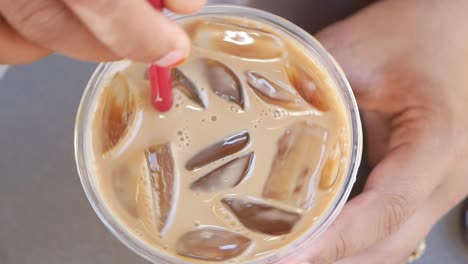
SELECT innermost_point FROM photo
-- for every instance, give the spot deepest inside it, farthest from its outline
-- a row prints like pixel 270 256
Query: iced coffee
pixel 250 158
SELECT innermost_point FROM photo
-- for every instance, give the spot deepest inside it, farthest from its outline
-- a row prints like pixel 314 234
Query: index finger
pixel 133 29
pixel 14 49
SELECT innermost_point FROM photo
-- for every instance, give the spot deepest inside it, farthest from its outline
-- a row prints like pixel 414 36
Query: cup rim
pixel 326 61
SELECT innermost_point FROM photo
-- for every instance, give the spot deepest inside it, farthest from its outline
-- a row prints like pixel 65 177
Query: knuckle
pixel 394 212
pixel 138 52
pixel 333 252
pixel 340 248
pixel 320 260
pixel 99 7
pixel 144 50
pixel 37 21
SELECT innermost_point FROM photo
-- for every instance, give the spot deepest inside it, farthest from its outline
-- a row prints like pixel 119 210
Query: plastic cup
pixel 321 57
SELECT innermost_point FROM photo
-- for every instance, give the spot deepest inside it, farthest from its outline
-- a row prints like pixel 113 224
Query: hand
pixel 98 30
pixel 407 62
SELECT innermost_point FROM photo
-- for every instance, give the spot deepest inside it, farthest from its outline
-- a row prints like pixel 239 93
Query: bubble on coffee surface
pixel 212 244
pixel 274 92
pixel 139 233
pixel 183 138
pixel 179 100
pixel 262 217
pixel 235 40
pixel 235 109
pixel 223 81
pixel 181 82
pixel 161 175
pixel 299 153
pixel 119 112
pixel 226 176
pixel 226 147
pixel 280 114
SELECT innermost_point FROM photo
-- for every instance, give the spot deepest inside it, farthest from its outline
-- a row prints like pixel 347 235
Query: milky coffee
pixel 250 157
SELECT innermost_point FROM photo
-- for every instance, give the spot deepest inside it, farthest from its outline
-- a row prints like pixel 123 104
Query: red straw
pixel 158 4
pixel 160 78
pixel 161 87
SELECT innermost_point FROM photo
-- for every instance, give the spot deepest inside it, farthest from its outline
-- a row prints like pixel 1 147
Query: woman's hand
pixel 407 62
pixel 96 30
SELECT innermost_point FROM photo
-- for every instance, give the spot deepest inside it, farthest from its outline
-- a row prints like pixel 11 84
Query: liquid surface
pixel 249 159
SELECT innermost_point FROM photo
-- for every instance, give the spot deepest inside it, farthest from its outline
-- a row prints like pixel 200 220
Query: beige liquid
pixel 309 140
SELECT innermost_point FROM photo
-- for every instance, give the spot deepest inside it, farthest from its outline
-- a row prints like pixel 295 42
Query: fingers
pixel 396 187
pixel 14 49
pixel 399 246
pixel 184 6
pixel 413 158
pixel 49 24
pixel 101 30
pixel 133 29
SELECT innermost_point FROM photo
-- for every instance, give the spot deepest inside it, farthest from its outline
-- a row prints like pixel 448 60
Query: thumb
pixel 396 187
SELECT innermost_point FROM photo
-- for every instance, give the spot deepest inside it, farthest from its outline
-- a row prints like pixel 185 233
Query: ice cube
pixel 133 185
pixel 330 170
pixel 223 81
pixel 187 87
pixel 219 150
pixel 307 87
pixel 212 244
pixel 261 217
pixel 274 92
pixel 240 41
pixel 119 111
pixel 160 164
pixel 124 185
pixel 227 176
pixel 295 165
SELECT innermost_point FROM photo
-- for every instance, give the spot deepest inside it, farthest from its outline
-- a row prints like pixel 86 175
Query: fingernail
pixel 173 58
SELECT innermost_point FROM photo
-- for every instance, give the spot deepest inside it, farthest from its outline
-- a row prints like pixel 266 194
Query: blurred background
pixel 44 214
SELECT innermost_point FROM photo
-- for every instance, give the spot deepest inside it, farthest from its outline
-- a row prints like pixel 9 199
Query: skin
pixel 97 30
pixel 407 62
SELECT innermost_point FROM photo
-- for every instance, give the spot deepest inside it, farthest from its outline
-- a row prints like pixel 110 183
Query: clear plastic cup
pixel 321 57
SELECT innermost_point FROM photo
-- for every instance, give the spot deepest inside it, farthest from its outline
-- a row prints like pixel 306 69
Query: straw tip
pixel 163 105
pixel 157 4
pixel 161 88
